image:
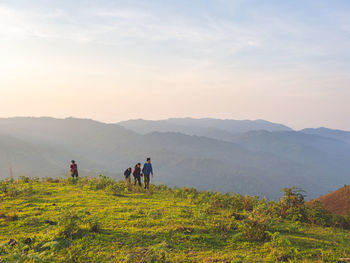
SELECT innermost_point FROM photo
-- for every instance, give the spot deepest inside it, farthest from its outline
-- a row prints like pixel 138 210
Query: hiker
pixel 127 174
pixel 137 174
pixel 147 170
pixel 73 169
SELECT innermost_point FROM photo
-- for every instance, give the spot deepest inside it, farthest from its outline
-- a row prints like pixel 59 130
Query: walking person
pixel 73 169
pixel 127 174
pixel 147 170
pixel 137 174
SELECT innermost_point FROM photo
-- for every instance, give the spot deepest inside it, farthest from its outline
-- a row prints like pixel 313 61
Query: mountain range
pixel 247 157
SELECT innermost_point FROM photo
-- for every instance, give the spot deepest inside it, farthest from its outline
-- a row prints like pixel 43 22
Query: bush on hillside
pixel 13 188
pixel 68 224
pixel 117 188
pixel 255 226
pixel 280 248
pixel 100 183
pixel 317 214
pixel 155 253
pixel 93 225
pixel 292 204
pixel 50 180
pixel 11 216
pixel 225 223
pixel 24 179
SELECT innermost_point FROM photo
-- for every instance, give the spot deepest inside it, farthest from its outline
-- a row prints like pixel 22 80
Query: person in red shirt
pixel 74 169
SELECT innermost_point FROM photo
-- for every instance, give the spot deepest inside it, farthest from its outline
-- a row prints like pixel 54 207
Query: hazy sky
pixel 110 60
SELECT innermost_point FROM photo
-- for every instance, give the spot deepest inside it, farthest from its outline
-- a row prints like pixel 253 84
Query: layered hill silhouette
pixel 337 202
pixel 208 127
pixel 336 134
pixel 258 159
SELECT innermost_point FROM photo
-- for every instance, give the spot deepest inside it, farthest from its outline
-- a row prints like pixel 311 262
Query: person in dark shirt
pixel 147 170
pixel 73 169
pixel 137 174
pixel 127 174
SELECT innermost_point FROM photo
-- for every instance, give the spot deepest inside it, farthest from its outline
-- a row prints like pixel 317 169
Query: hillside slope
pixel 99 220
pixel 337 202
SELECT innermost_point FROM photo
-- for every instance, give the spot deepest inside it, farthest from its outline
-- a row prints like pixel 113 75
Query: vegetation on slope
pixel 100 220
pixel 337 202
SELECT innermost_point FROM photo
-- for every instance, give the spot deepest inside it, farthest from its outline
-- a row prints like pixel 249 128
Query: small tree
pixel 292 203
pixel 317 214
pixel 256 225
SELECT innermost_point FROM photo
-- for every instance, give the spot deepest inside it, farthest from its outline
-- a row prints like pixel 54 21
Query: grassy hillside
pixel 337 202
pixel 99 220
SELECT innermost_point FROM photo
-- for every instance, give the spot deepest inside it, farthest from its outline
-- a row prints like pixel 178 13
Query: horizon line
pixel 142 119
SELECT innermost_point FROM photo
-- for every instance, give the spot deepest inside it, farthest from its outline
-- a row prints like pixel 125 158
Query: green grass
pixel 90 221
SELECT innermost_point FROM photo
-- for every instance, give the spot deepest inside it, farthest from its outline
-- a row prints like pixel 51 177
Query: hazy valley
pixel 247 157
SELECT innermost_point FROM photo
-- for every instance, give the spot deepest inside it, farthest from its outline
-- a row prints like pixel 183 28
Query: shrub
pixel 68 224
pixel 50 180
pixel 2 215
pixel 292 204
pixel 317 214
pixel 117 189
pixel 24 179
pixel 218 201
pixel 73 181
pixel 280 248
pixel 72 223
pixel 14 188
pixel 163 188
pixel 248 203
pixel 273 209
pixel 294 227
pixel 93 225
pixel 156 253
pixel 100 183
pixel 12 216
pixel 4 187
pixel 12 191
pixel 256 224
pixel 340 221
pixel 224 223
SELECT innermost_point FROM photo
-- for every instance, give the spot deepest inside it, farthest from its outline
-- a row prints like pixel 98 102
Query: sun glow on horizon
pixel 117 60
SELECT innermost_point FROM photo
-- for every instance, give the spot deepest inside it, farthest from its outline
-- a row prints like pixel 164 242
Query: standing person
pixel 147 170
pixel 73 169
pixel 137 174
pixel 127 174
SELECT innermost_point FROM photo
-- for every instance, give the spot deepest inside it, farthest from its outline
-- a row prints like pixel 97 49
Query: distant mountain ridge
pixel 208 127
pixel 256 162
pixel 331 133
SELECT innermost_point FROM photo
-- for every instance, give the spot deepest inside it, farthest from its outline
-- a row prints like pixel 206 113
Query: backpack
pixel 127 172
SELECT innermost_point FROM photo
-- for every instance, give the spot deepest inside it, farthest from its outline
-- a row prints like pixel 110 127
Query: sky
pixel 111 60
